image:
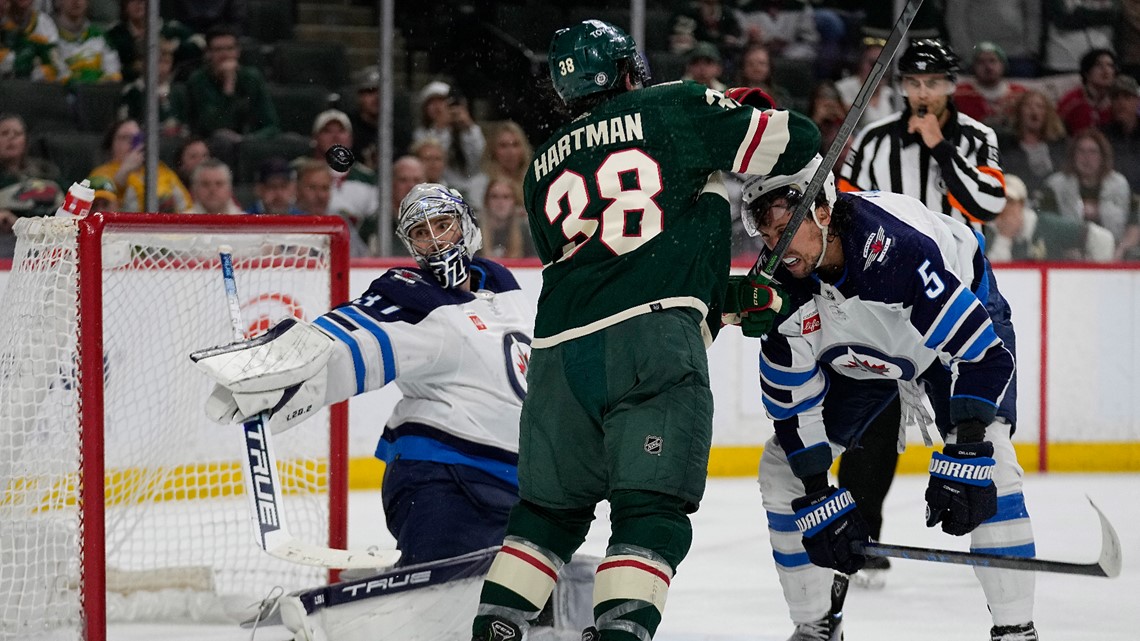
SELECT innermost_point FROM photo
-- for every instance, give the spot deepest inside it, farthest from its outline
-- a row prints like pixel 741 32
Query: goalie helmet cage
pixel 112 479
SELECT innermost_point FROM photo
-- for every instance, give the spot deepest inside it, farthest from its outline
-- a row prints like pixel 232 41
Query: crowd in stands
pixel 1055 80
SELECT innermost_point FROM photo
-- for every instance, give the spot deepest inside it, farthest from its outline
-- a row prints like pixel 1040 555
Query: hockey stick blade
pixel 1108 565
pixel 767 268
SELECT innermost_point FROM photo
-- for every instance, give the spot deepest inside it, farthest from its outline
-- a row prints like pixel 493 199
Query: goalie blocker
pixel 432 600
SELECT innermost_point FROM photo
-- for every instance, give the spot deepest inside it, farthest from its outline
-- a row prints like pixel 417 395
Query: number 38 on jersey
pixel 629 181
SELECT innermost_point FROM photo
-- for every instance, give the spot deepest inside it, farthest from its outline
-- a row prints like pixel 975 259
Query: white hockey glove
pixel 283 371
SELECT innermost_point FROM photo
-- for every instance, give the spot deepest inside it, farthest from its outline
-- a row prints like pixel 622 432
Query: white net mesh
pixel 173 490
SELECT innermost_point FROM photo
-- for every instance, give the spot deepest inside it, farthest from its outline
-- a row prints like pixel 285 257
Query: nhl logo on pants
pixel 653 445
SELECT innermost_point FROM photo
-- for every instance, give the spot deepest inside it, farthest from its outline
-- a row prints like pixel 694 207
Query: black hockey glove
pixel 753 304
pixel 961 493
pixel 830 523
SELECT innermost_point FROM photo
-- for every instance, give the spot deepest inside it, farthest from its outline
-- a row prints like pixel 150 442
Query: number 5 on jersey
pixel 630 179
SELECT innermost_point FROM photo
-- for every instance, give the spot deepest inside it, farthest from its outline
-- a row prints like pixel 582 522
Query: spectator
pixel 123 144
pixel 503 222
pixel 703 65
pixel 1090 104
pixel 755 70
pixel 1035 146
pixel 25 185
pixel 882 101
pixel 431 154
pixel 786 28
pixel 366 119
pixel 1128 38
pixel 30 45
pixel 445 117
pixel 188 156
pixel 407 172
pixel 1123 131
pixel 706 21
pixel 314 192
pixel 990 98
pixel 1020 233
pixel 507 156
pixel 1089 189
pixel 1073 28
pixel 1012 25
pixel 212 187
pixel 227 102
pixel 82 45
pixel 827 111
pixel 105 200
pixel 203 15
pixel 128 38
pixel 171 95
pixel 354 194
pixel 276 189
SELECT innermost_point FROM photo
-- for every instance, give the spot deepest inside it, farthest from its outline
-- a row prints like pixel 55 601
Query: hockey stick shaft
pixel 1108 565
pixel 263 483
pixel 807 203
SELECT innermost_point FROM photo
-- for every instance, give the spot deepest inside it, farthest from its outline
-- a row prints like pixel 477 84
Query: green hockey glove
pixel 752 304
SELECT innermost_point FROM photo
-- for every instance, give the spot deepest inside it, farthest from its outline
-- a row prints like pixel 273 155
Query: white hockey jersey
pixel 459 358
pixel 914 289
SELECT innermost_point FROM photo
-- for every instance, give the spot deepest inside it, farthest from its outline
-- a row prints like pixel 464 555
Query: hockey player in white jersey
pixel 453 333
pixel 884 295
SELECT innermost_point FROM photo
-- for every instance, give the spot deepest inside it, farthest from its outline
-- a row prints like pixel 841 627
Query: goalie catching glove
pixel 283 372
pixel 752 304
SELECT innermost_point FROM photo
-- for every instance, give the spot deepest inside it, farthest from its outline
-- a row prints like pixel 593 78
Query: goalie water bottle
pixel 78 200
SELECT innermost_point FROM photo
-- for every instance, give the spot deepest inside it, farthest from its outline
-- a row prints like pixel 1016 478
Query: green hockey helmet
pixel 584 59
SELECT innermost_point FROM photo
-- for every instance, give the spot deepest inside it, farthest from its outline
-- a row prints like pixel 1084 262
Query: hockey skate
pixel 873 576
pixel 1023 632
pixel 830 627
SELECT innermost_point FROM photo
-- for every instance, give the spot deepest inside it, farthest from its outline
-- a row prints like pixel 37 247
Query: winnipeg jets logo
pixel 865 365
pixel 516 351
pixel 866 362
pixel 875 249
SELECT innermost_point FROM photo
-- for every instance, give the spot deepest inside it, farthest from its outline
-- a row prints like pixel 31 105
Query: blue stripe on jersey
pixel 791 560
pixel 784 378
pixel 981 344
pixel 958 308
pixel 386 354
pixel 1027 550
pixel 422 448
pixel 353 346
pixel 782 522
pixel 780 413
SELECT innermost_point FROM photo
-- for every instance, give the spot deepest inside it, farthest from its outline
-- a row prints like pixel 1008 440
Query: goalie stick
pixel 263 483
pixel 1107 565
pixel 767 268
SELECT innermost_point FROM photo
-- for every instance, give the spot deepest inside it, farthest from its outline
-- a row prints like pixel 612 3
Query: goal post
pixel 109 466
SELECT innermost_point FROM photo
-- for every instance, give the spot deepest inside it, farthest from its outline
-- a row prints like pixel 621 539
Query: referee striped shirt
pixel 961 176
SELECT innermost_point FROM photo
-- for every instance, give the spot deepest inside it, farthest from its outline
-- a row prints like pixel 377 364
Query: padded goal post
pixel 113 482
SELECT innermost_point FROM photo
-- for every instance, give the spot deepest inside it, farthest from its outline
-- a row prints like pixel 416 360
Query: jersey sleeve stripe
pixel 387 355
pixel 950 317
pixel 984 341
pixel 769 135
pixel 353 347
pixel 785 378
pixel 778 412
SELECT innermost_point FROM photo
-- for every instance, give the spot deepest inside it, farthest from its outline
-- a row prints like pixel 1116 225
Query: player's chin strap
pixel 822 228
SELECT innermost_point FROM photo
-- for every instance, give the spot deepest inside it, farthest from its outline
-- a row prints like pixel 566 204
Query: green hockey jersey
pixel 628 212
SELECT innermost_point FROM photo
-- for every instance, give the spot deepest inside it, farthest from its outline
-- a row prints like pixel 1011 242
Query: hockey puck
pixel 339 158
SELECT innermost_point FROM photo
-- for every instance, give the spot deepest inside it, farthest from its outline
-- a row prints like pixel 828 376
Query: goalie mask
pixel 440 231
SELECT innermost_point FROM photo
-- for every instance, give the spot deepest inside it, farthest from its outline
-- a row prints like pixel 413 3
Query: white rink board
pixel 1093 353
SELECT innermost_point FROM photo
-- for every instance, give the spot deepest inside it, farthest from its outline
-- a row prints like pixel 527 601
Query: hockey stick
pixel 807 203
pixel 1108 565
pixel 263 483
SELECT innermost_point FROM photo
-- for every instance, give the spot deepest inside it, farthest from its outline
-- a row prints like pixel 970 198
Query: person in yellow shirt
pixel 123 143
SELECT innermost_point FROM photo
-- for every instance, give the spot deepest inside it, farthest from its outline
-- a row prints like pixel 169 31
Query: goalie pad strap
pixel 635 578
pixel 524 571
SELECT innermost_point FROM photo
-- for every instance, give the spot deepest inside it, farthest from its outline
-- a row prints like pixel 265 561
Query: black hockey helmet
pixel 929 56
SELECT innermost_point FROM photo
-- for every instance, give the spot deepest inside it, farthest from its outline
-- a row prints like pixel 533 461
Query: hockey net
pixel 118 497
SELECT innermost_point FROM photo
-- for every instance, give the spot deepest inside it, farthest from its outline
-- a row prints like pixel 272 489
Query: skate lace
pixel 1014 633
pixel 814 631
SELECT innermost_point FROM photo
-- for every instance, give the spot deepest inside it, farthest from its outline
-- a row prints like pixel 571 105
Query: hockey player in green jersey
pixel 631 221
